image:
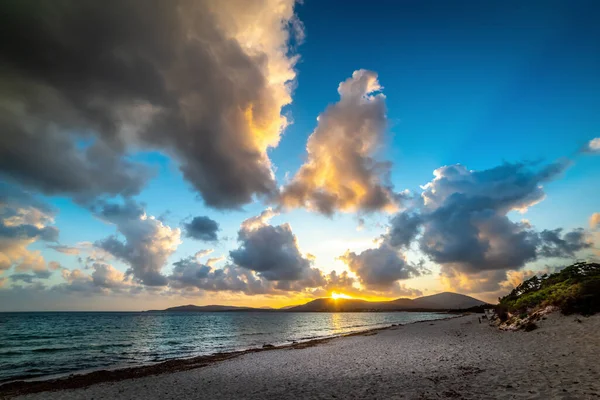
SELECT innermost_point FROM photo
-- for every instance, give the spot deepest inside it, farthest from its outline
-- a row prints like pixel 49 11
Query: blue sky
pixel 465 82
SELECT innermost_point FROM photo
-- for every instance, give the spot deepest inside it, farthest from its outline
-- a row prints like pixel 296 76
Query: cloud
pixel 104 279
pixel 462 224
pixel 24 220
pixel 380 267
pixel 556 244
pixel 466 227
pixel 203 253
pixel 188 273
pixel 271 251
pixel 29 278
pixel 202 228
pixel 267 261
pixel 148 242
pixel 595 220
pixel 473 282
pixel 88 84
pixel 593 146
pixel 344 283
pixel 404 227
pixel 65 249
pixel 341 171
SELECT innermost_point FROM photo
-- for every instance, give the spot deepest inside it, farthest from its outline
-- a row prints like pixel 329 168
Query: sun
pixel 335 296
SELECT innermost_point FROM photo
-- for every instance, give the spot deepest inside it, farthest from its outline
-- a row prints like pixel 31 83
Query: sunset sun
pixel 335 296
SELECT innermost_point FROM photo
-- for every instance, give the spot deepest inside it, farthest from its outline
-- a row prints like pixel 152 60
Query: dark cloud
pixel 113 212
pixel 47 233
pixel 464 226
pixel 30 278
pixel 381 267
pixel 268 261
pixel 85 84
pixel 188 273
pixel 202 228
pixel 404 227
pixel 557 244
pixel 148 242
pixel 477 240
pixel 271 251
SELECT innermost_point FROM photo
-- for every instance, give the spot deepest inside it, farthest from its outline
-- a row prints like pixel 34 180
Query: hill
pixel 441 301
pixel 448 300
pixel 211 308
pixel 438 302
pixel 329 304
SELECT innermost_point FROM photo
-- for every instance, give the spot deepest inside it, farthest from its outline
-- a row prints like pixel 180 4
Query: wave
pixel 50 349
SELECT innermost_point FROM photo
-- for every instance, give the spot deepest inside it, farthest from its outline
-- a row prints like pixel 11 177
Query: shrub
pixel 575 289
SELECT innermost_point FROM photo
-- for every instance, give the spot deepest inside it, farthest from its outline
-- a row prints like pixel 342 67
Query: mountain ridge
pixel 444 301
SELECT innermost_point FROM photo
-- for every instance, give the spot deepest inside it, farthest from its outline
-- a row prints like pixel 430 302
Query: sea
pixel 52 344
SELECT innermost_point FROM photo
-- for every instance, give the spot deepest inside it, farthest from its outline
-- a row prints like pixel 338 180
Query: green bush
pixel 575 289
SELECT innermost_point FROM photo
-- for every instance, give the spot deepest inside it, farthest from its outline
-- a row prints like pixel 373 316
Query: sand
pixel 456 358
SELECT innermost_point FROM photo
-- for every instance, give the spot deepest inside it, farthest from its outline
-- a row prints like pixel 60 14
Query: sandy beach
pixel 455 358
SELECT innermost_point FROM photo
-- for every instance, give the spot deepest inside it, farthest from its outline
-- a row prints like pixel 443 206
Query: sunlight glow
pixel 335 296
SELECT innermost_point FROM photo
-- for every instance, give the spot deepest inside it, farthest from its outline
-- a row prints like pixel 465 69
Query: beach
pixel 454 358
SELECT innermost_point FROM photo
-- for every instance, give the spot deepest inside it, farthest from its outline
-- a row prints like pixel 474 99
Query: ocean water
pixel 34 345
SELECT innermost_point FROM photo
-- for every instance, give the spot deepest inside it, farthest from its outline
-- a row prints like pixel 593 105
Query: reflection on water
pixel 40 344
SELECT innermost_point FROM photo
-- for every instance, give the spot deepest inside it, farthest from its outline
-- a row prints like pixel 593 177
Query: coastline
pixel 79 380
pixel 456 358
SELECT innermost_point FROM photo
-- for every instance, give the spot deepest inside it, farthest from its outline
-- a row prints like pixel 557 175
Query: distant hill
pixel 441 301
pixel 329 304
pixel 437 302
pixel 211 308
pixel 448 300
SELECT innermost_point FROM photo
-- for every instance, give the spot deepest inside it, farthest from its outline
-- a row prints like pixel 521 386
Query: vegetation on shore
pixel 575 289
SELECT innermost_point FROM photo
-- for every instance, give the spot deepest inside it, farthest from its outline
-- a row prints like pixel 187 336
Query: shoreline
pixel 79 380
pixel 456 358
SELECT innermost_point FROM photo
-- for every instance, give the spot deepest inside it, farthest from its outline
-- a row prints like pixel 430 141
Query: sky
pixel 270 152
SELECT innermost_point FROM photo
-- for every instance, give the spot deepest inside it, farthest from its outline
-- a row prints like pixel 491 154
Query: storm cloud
pixel 88 84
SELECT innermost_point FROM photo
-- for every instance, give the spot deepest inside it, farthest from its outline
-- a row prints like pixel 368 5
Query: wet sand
pixel 456 358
